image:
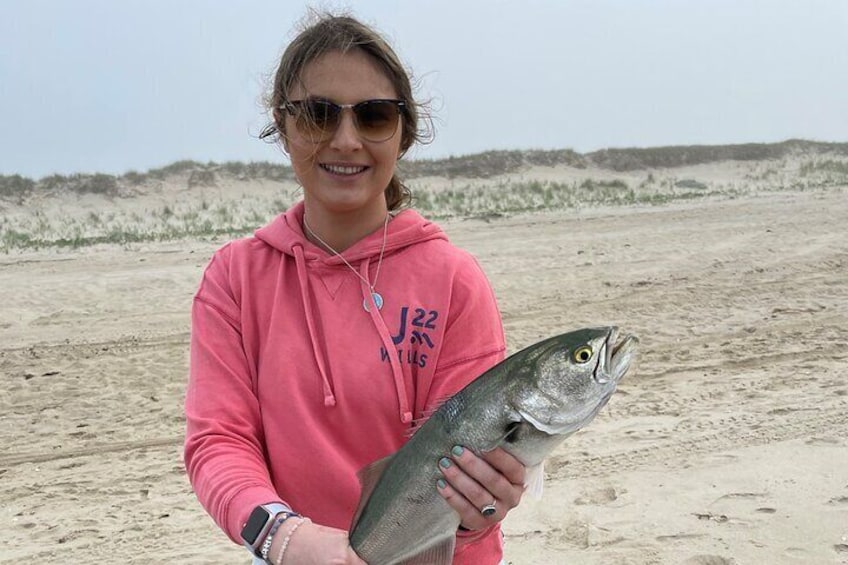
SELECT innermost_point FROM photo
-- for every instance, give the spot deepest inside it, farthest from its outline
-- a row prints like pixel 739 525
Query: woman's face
pixel 343 175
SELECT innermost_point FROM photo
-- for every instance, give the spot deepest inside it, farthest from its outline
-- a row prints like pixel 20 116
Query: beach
pixel 726 443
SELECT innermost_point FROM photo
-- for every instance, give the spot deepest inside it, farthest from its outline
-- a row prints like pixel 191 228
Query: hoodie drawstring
pixel 380 325
pixel 329 397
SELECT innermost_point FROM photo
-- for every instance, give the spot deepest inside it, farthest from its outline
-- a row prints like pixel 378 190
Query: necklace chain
pixel 339 255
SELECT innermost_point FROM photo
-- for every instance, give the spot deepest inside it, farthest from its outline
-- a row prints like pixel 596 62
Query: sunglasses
pixel 375 120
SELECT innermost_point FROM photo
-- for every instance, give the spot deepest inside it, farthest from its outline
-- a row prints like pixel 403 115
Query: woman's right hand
pixel 314 544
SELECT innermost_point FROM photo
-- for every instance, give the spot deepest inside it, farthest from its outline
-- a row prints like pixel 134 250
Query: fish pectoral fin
pixel 368 478
pixel 440 553
pixel 534 480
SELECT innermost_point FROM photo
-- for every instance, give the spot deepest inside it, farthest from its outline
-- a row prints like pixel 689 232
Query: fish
pixel 527 404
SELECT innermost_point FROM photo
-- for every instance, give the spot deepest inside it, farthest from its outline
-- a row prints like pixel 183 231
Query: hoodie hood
pixel 285 233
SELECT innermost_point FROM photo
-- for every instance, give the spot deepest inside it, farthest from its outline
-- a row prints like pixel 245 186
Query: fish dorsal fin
pixel 534 480
pixel 428 412
pixel 440 553
pixel 369 476
pixel 417 423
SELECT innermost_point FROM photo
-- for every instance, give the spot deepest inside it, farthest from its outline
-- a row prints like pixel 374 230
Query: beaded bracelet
pixel 266 545
pixel 287 539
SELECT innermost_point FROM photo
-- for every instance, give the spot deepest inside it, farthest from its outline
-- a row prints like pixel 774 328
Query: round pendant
pixel 378 300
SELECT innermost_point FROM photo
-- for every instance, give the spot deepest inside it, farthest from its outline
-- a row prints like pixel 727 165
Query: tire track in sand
pixel 761 430
pixel 12 459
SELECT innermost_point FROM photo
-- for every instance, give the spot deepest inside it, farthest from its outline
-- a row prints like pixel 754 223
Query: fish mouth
pixel 616 357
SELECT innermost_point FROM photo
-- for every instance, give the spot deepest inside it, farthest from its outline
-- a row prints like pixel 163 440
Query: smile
pixel 343 170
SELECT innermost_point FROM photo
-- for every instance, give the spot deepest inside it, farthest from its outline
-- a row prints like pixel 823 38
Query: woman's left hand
pixel 472 485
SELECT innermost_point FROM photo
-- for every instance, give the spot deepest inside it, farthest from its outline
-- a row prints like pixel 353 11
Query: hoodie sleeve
pixel 474 336
pixel 473 343
pixel 224 457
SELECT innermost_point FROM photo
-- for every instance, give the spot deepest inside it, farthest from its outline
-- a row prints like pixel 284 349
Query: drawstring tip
pixel 329 401
pixel 406 417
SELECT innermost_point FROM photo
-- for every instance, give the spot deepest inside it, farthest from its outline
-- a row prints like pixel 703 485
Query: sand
pixel 727 442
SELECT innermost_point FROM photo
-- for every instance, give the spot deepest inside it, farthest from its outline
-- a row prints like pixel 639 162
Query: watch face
pixel 254 525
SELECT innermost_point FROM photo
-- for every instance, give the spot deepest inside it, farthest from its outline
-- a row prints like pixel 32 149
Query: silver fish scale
pixel 405 514
pixel 420 502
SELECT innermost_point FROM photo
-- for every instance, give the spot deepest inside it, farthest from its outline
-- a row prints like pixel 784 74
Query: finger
pixel 494 484
pixel 469 515
pixel 477 506
pixel 510 467
pixel 458 471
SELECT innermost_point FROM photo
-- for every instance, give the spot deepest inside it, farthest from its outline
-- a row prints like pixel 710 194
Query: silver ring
pixel 488 510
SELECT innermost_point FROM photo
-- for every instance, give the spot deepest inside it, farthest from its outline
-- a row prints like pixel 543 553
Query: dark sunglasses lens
pixel 377 119
pixel 318 118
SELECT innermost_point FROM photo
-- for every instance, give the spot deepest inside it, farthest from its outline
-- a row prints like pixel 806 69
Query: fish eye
pixel 582 354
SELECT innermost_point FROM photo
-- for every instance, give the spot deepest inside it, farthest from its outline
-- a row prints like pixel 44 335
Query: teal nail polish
pixel 457 450
pixel 444 462
pixel 441 484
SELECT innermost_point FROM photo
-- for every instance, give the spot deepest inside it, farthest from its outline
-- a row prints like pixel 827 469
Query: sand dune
pixel 727 443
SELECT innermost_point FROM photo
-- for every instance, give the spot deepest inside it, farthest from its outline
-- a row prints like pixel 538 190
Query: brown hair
pixel 342 33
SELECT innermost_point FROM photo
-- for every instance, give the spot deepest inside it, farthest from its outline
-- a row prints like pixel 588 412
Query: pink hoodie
pixel 294 387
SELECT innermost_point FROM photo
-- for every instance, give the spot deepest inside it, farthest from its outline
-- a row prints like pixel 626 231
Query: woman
pixel 320 341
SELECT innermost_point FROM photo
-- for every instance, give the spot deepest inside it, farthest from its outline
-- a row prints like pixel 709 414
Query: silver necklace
pixel 378 299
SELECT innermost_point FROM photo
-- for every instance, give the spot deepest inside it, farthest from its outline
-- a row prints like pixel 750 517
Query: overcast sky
pixel 111 86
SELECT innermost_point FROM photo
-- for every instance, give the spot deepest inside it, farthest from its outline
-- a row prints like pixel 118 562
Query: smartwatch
pixel 258 525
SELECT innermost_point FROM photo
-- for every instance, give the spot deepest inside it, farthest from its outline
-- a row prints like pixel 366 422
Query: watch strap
pixel 271 510
pixel 269 539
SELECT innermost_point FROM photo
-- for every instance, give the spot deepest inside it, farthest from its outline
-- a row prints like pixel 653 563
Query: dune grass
pixel 205 218
pixel 487 185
